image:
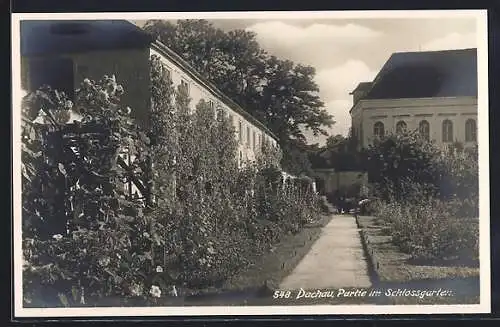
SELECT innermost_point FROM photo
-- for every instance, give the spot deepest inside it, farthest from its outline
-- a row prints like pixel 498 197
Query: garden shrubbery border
pixel 392 265
pixel 201 219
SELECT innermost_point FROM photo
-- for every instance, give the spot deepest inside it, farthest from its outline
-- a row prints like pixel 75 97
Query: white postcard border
pixel 483 141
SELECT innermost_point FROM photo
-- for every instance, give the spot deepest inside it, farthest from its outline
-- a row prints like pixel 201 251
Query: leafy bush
pixel 402 155
pixel 76 222
pixel 200 218
pixel 429 198
pixel 400 162
pixel 427 230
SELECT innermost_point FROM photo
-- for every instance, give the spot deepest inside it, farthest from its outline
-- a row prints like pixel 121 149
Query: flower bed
pixel 427 231
pixel 395 269
pixel 200 220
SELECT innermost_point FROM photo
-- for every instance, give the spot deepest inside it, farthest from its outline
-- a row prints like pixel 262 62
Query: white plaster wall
pixel 197 92
pixel 131 67
pixel 412 111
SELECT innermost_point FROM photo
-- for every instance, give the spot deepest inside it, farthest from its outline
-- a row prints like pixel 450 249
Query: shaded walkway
pixel 336 259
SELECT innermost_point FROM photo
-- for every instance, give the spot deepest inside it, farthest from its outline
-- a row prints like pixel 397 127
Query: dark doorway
pixel 54 72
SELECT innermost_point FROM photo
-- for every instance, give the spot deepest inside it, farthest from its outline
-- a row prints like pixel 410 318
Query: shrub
pixel 426 229
pixel 76 223
pixel 222 216
pixel 201 218
pixel 399 163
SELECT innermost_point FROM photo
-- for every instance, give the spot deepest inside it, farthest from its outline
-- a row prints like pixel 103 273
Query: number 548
pixel 281 294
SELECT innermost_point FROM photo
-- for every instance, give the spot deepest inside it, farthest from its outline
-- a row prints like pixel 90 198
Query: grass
pixel 271 268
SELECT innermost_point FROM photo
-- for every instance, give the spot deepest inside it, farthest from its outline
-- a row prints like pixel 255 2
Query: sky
pixel 345 52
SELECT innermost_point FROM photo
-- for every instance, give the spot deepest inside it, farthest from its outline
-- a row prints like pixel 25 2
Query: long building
pixel 63 53
pixel 433 92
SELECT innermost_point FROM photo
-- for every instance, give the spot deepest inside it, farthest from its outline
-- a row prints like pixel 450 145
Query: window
pixel 211 104
pixel 260 141
pixel 361 134
pixel 424 129
pixel 447 131
pixel 248 136
pixel 254 140
pixel 470 131
pixel 240 132
pixel 167 74
pixel 240 161
pixel 185 86
pixel 401 127
pixel 220 114
pixel 378 129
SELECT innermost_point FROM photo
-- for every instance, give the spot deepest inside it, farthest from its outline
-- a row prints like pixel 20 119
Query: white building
pixel 251 134
pixel 434 93
pixel 62 54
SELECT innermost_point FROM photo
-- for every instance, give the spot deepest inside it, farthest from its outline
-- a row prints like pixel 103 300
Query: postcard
pixel 250 163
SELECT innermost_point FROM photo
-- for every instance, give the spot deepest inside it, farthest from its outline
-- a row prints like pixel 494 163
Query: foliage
pixel 339 153
pixel 402 155
pixel 76 223
pixel 428 197
pixel 427 229
pixel 200 218
pixel 219 215
pixel 279 93
pixel 296 158
pixel 398 162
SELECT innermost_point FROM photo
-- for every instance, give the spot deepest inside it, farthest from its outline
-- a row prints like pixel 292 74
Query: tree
pixel 296 158
pixel 339 153
pixel 279 93
pixel 398 160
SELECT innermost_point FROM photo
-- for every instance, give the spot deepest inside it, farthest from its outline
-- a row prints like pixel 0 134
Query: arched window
pixel 447 131
pixel 424 129
pixel 378 129
pixel 470 130
pixel 400 127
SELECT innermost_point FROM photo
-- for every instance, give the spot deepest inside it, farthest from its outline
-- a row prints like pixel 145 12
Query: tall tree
pixel 340 153
pixel 279 93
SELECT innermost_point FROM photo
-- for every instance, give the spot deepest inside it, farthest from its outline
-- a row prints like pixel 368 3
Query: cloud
pixel 335 85
pixel 286 33
pixel 452 41
pixel 340 111
pixel 339 81
pixel 314 44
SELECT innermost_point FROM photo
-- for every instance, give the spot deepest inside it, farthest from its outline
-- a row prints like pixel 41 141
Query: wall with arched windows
pixel 424 129
pixel 379 129
pixel 471 130
pixel 424 115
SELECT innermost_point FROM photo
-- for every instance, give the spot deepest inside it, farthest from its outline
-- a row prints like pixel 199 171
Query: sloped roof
pixel 448 73
pixel 363 86
pixel 46 37
pixel 42 37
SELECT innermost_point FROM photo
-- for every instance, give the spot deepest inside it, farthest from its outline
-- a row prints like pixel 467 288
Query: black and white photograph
pixel 250 163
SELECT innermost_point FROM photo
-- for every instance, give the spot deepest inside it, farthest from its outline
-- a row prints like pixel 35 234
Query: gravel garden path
pixel 336 260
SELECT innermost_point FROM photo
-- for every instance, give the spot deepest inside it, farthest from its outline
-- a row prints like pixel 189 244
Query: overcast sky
pixel 346 52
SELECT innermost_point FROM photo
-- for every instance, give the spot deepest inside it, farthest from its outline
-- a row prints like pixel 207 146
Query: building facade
pixel 433 93
pixel 63 53
pixel 250 133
